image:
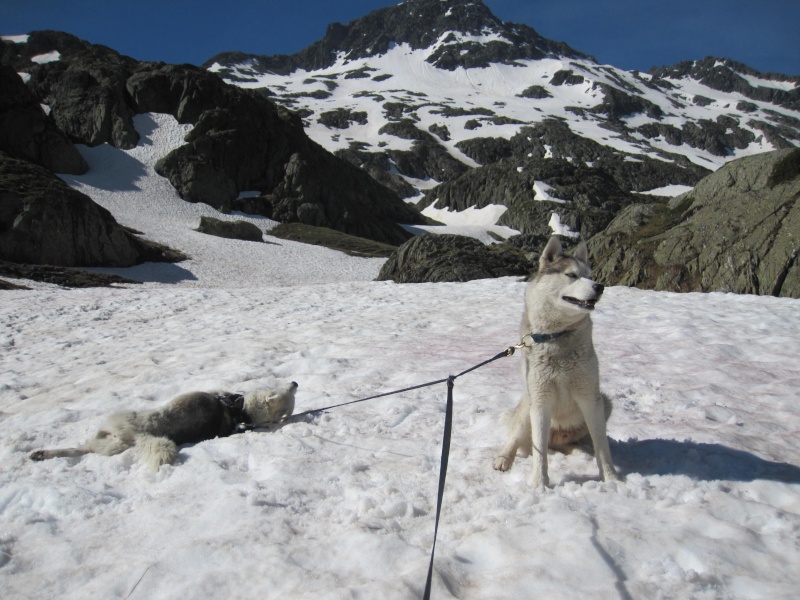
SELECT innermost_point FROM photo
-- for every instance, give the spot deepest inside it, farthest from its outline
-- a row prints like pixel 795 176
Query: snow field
pixel 342 504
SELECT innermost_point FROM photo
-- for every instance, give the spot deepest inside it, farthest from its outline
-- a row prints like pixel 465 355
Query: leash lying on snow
pixel 448 427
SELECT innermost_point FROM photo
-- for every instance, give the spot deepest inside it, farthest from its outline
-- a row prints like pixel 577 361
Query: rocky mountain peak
pixel 725 75
pixel 459 33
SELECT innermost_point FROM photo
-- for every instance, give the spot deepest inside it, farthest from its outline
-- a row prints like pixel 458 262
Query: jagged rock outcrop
pixel 234 230
pixel 240 140
pixel 737 231
pixel 435 258
pixel 585 198
pixel 730 76
pixel 44 221
pixel 420 24
pixel 554 139
pixel 84 86
pixel 27 132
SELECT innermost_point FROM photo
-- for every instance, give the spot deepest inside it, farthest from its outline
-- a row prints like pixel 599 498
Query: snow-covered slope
pixel 125 182
pixel 491 97
pixel 341 505
pixel 706 112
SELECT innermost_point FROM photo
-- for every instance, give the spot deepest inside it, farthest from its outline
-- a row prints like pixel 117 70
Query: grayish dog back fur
pixel 193 417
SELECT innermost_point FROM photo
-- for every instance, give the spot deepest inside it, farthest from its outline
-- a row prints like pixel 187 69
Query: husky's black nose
pixel 598 288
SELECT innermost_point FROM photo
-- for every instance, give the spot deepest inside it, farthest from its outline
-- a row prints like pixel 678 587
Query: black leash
pixel 408 389
pixel 448 428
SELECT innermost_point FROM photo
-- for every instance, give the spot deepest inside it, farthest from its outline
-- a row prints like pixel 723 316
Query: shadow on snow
pixel 706 462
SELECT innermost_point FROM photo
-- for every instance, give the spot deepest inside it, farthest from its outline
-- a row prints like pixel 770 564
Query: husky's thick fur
pixel 562 402
pixel 187 419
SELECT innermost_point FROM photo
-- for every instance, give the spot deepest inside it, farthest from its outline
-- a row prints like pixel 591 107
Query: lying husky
pixel 187 419
pixel 562 401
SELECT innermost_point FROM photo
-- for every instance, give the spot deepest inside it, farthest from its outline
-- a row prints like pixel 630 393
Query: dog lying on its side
pixel 562 405
pixel 187 419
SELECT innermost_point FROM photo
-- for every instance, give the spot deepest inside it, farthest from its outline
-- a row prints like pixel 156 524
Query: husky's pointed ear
pixel 582 253
pixel 551 253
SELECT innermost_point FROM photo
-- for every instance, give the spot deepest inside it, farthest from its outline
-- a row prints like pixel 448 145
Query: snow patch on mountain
pixel 490 102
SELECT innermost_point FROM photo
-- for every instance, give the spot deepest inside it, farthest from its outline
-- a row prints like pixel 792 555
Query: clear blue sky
pixel 631 34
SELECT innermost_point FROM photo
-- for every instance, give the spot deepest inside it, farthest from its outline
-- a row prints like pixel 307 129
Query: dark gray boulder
pixel 735 232
pixel 235 230
pixel 85 88
pixel 436 258
pixel 44 221
pixel 27 132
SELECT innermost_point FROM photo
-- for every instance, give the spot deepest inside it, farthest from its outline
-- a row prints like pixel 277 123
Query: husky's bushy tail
pixel 155 451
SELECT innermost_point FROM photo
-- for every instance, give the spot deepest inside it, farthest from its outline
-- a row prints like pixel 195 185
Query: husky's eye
pixel 571 275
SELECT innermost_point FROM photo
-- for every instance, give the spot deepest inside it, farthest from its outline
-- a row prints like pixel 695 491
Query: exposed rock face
pixel 726 75
pixel 44 221
pixel 235 230
pixel 553 138
pixel 85 88
pixel 27 132
pixel 240 140
pixel 585 198
pixel 737 231
pixel 418 23
pixel 435 258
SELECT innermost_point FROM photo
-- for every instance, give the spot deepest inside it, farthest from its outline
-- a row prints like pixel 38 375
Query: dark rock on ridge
pixel 44 221
pixel 378 165
pixel 724 75
pixel 342 118
pixel 436 258
pixel 418 23
pixel 27 132
pixel 737 231
pixel 85 88
pixel 618 104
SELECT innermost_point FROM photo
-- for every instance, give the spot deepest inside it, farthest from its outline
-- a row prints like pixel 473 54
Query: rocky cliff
pixel 44 221
pixel 737 231
pixel 240 140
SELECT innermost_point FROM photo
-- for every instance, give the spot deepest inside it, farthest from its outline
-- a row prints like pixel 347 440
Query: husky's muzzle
pixel 588 303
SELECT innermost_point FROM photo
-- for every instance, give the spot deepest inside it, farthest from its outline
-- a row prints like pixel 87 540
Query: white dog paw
pixel 502 463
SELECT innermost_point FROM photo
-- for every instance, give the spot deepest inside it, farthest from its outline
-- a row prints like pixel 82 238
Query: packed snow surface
pixel 341 504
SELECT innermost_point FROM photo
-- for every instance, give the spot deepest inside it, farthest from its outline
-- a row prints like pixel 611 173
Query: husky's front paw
pixel 502 463
pixel 38 455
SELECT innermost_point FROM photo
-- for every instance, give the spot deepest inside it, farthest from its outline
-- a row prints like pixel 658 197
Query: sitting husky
pixel 187 419
pixel 562 402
